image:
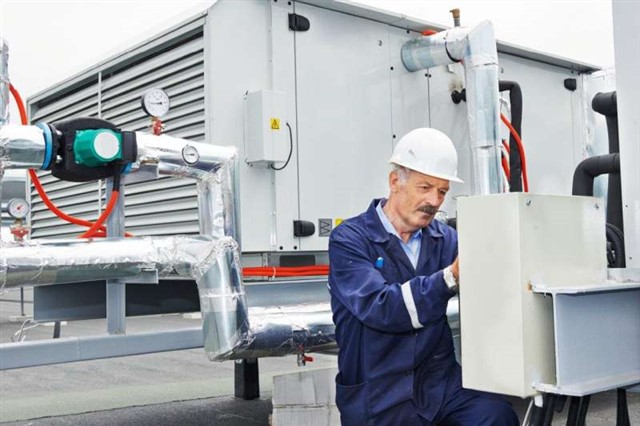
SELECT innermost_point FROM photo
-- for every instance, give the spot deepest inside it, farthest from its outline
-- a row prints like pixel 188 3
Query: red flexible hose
pixel 506 146
pixel 523 160
pixel 21 108
pixel 284 271
pixel 105 214
pixel 505 167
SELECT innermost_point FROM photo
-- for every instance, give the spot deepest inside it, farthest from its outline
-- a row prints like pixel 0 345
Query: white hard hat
pixel 427 151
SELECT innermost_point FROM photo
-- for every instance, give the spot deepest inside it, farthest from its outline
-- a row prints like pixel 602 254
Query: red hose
pixel 105 214
pixel 36 181
pixel 505 167
pixel 285 271
pixel 523 160
pixel 506 146
pixel 429 32
pixel 21 108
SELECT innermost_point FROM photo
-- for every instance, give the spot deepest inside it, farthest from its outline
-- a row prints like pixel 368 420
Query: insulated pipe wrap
pixel 21 147
pixel 591 168
pixel 4 83
pixel 213 263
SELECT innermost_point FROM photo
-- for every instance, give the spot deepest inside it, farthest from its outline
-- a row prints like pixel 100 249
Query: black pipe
pixel 615 247
pixel 606 104
pixel 591 168
pixel 515 163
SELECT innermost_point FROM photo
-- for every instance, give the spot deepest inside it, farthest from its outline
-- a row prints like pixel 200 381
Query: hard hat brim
pixel 450 178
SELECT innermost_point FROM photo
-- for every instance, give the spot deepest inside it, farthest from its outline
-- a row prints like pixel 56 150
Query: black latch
pixel 298 23
pixel 303 228
pixel 571 84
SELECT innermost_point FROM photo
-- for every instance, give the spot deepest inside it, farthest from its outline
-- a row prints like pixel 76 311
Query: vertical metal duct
pixel 476 49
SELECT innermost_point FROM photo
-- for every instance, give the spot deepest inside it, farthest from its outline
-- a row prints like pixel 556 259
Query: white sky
pixel 52 40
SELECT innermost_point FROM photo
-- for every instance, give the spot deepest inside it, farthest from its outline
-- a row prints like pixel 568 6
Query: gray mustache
pixel 428 209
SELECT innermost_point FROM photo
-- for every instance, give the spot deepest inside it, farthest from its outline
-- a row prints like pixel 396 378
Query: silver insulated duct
pixel 476 49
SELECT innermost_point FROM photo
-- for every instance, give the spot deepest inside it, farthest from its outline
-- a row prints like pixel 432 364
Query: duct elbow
pixel 222 300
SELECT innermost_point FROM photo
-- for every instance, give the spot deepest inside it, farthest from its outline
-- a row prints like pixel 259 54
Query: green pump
pixel 95 148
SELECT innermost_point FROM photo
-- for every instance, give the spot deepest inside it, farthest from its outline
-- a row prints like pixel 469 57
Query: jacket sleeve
pixel 388 307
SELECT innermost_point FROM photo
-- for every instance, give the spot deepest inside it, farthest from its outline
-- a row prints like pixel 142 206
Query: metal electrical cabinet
pixel 346 96
pixel 538 311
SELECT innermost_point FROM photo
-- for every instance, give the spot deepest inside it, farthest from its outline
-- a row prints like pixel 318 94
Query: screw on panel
pixel 394 136
pixel 528 202
pixel 597 206
pixel 391 68
pixel 289 3
pixel 379 42
pixel 295 247
pixel 280 247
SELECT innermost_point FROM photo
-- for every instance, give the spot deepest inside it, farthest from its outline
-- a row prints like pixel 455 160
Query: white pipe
pixel 476 49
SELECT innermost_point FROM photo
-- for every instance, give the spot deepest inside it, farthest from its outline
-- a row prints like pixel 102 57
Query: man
pixel 393 271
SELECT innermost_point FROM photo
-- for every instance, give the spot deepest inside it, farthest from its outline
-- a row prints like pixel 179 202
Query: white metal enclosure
pixel 348 98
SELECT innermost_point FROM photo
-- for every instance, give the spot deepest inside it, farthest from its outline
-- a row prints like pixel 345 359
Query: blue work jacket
pixel 391 361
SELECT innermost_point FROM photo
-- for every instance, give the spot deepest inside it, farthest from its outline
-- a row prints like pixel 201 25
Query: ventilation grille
pixel 167 206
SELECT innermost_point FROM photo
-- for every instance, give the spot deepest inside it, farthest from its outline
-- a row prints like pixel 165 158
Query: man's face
pixel 417 200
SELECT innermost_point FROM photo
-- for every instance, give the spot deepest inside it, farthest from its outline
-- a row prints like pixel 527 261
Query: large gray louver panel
pixel 112 91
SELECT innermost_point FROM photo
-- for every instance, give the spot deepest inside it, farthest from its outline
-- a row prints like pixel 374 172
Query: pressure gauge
pixel 18 208
pixel 155 102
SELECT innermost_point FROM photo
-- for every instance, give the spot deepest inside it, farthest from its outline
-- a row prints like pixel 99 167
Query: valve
pixel 19 231
pixel 303 359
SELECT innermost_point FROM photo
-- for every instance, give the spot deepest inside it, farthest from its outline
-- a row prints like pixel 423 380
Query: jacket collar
pixel 378 234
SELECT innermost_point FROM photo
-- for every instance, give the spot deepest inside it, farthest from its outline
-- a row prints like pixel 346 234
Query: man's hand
pixel 455 269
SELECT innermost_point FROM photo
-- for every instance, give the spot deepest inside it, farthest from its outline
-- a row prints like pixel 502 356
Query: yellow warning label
pixel 338 222
pixel 275 124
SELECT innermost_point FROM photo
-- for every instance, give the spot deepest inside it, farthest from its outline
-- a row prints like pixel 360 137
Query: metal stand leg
pixel 578 410
pixel 22 301
pixel 622 417
pixel 572 416
pixel 247 383
pixel 582 410
pixel 56 330
pixel 536 416
pixel 549 409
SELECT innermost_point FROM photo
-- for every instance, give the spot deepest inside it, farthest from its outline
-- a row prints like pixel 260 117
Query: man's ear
pixel 394 181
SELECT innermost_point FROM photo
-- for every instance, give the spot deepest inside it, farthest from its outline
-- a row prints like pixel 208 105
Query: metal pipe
pixel 21 147
pixel 4 103
pixel 4 83
pixel 214 167
pixel 476 49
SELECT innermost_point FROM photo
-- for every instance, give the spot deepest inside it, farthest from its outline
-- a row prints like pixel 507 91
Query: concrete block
pixel 309 387
pixel 301 415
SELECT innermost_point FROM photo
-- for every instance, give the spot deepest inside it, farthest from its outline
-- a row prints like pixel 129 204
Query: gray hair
pixel 402 172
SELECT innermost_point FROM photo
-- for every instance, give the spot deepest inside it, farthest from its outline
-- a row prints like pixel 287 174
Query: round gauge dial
pixel 155 102
pixel 190 154
pixel 18 208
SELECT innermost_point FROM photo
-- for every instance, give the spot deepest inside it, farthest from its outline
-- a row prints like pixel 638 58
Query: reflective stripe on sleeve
pixel 410 304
